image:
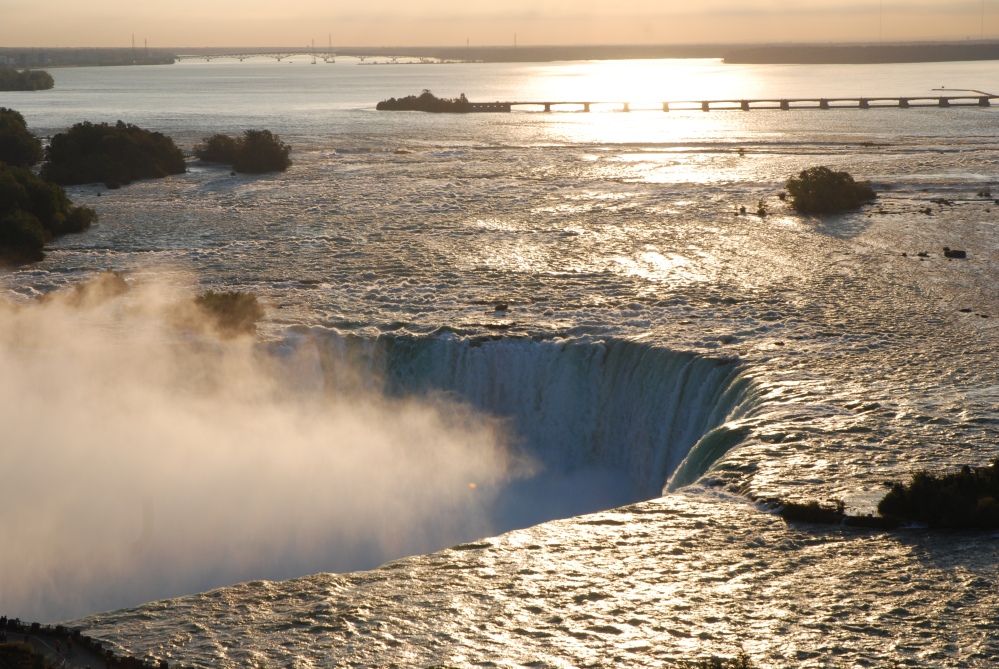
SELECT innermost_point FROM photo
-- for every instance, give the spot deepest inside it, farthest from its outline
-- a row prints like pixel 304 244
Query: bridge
pixel 327 56
pixel 978 99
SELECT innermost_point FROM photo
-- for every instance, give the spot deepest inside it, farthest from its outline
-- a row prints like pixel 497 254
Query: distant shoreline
pixel 760 54
pixel 863 54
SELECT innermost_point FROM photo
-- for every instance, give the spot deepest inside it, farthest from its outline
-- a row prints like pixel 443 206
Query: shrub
pixel 97 290
pixel 232 312
pixel 217 149
pixel 120 153
pixel 257 151
pixel 32 212
pixel 18 147
pixel 963 499
pixel 819 190
pixel 260 151
pixel 227 313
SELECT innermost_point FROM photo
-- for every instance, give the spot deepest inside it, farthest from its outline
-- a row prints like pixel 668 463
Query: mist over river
pixel 547 341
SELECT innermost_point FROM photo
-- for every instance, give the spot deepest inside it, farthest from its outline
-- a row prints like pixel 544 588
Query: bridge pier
pixel 626 107
pixel 744 105
pixel 823 104
pixel 984 102
pixel 785 105
pixel 864 104
pixel 548 106
pixel 944 102
pixel 705 106
pixel 665 106
pixel 586 106
pixel 903 103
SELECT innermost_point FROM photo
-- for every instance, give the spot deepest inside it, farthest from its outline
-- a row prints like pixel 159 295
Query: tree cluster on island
pixel 111 154
pixel 33 211
pixel 256 152
pixel 820 190
pixel 12 79
pixel 426 102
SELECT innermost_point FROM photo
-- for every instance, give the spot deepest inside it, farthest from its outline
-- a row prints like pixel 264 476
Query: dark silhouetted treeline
pixel 426 102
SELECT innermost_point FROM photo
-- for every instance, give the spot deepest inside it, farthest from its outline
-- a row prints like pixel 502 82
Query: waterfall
pixel 638 410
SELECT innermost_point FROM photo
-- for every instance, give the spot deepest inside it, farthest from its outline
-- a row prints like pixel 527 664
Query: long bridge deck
pixel 785 104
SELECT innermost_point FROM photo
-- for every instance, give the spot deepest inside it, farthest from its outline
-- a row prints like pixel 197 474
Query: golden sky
pixel 176 23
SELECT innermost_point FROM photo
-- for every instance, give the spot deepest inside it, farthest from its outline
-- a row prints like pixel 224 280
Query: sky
pixel 486 22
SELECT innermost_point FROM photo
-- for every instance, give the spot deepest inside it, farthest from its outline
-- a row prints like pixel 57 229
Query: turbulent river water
pixel 548 341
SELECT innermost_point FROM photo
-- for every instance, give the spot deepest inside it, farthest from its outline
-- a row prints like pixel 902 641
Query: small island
pixel 12 79
pixel 428 102
pixel 820 190
pixel 256 152
pixel 111 154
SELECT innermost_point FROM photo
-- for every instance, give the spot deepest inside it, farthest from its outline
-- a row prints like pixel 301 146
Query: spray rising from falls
pixel 153 463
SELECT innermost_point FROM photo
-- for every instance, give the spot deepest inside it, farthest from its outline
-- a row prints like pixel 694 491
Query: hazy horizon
pixel 186 24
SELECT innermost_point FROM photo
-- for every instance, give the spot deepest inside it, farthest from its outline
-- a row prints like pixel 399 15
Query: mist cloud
pixel 141 462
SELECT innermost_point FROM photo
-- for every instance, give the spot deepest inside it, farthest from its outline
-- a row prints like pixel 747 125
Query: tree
pixel 18 147
pixel 218 148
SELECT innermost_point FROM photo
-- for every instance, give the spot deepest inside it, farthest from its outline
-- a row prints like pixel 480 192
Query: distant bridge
pixel 327 56
pixel 979 99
